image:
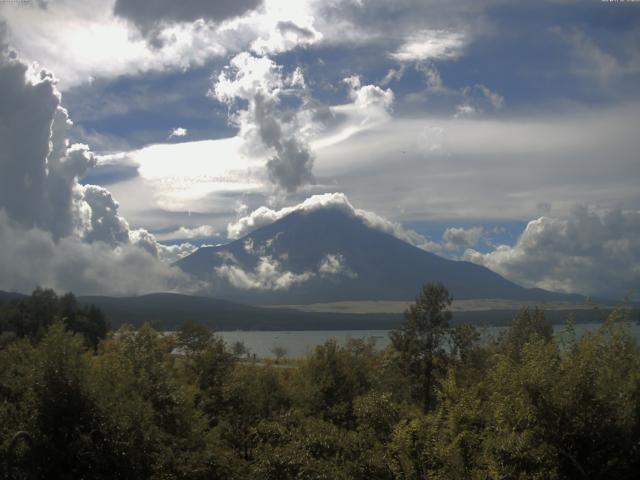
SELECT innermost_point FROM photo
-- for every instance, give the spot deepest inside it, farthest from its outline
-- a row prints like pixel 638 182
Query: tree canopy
pixel 528 404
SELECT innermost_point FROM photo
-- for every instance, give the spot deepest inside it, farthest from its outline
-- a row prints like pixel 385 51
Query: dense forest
pixel 440 402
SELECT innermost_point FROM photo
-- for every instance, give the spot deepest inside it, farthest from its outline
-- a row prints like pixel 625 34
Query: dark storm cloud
pixel 290 27
pixel 147 15
pixel 292 164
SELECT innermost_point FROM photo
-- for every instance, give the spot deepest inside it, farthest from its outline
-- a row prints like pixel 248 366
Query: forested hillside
pixel 438 403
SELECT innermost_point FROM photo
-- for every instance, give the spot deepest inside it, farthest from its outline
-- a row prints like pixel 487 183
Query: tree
pixel 239 349
pixel 527 326
pixel 194 337
pixel 332 378
pixel 279 352
pixel 210 368
pixel 463 339
pixel 64 410
pixel 31 316
pixel 419 340
pixel 89 321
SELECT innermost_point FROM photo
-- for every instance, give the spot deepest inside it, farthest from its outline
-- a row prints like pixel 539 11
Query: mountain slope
pixel 371 265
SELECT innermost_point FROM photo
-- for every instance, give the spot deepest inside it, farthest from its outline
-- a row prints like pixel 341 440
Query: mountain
pixel 9 296
pixel 328 255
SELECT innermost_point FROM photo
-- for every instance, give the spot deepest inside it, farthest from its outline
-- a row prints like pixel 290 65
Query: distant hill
pixel 8 296
pixel 168 311
pixel 376 265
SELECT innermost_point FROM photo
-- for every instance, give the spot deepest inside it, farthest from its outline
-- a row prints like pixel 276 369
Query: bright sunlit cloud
pixel 430 45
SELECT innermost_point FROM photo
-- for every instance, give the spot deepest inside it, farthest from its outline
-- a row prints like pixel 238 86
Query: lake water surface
pixel 298 343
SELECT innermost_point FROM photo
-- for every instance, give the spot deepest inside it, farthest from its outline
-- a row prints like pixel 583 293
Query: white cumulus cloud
pixel 588 252
pixel 264 123
pixel 268 275
pixel 55 231
pixel 455 237
pixel 333 264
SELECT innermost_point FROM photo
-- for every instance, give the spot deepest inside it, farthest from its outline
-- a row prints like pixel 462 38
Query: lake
pixel 298 343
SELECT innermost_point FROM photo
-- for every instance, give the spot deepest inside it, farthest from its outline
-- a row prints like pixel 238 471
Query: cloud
pixel 286 35
pixel 427 168
pixel 400 27
pixel 405 169
pixel 266 216
pixel 260 82
pixel 178 132
pixel 368 96
pixel 85 41
pixel 591 59
pixel 150 15
pixel 460 237
pixel 334 264
pixel 82 41
pixel 268 105
pixel 190 233
pixel 370 106
pixel 55 231
pixel 588 252
pixel 290 27
pixel 432 78
pixel 172 253
pixel 32 256
pixel 106 224
pixel 393 74
pixel 268 275
pixel 477 100
pixel 38 186
pixel 430 45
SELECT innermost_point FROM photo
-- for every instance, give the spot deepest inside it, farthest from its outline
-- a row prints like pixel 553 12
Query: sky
pixel 501 133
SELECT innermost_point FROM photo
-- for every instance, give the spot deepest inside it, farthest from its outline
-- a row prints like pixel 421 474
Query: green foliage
pixel 32 316
pixel 464 340
pixel 526 406
pixel 332 377
pixel 527 326
pixel 250 395
pixel 279 352
pixel 193 337
pixel 420 339
pixel 208 368
pixel 297 446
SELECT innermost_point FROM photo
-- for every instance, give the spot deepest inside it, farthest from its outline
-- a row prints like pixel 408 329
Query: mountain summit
pixel 328 255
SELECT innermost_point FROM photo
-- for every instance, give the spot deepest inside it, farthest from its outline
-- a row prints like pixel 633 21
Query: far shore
pixel 476 305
